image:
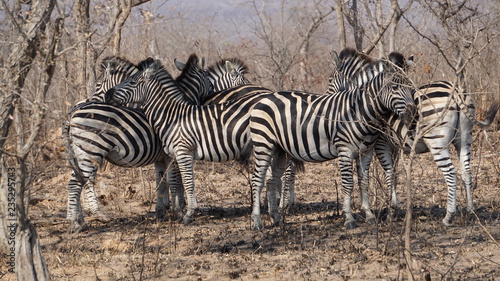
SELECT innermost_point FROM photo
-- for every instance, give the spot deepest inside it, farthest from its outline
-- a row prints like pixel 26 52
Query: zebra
pixel 315 128
pixel 216 132
pixel 89 132
pixel 445 114
pixel 225 73
pixel 113 70
pixel 97 129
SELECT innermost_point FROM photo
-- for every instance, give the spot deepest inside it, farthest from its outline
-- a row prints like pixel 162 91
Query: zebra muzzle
pixel 409 114
pixel 109 97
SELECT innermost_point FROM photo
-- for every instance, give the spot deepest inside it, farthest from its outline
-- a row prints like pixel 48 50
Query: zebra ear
pixel 410 61
pixel 230 67
pixel 335 58
pixel 145 63
pixel 152 68
pixel 179 65
pixel 110 67
pixel 201 63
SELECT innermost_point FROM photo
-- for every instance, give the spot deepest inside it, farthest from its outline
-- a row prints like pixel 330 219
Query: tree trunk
pixel 339 10
pixel 82 34
pixel 358 29
pixel 19 239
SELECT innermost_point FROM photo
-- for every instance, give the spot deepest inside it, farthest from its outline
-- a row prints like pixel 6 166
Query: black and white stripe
pixel 445 115
pixel 189 132
pixel 314 128
pixel 225 73
pixel 99 131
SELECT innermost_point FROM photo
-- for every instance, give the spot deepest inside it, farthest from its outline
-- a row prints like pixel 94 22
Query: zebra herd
pixel 140 115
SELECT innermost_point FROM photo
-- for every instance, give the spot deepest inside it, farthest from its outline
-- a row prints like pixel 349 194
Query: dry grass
pixel 312 245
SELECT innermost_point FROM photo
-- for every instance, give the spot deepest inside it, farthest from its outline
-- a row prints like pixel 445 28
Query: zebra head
pixel 392 88
pixel 224 74
pixel 227 73
pixel 400 87
pixel 155 81
pixel 346 65
pixel 113 71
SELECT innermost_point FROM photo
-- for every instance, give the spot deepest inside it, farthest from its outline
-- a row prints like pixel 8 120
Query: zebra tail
pixel 70 154
pixel 464 102
pixel 299 165
pixel 490 116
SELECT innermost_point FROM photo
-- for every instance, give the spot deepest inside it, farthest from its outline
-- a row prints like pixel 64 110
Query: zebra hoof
pixel 350 225
pixel 370 221
pixel 257 223
pixel 447 219
pixel 446 222
pixel 257 226
pixel 76 227
pixel 276 220
pixel 102 217
pixel 187 220
pixel 161 214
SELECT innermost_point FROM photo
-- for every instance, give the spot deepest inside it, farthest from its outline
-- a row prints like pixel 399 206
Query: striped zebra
pixel 97 131
pixel 445 114
pixel 217 132
pixel 224 74
pixel 92 133
pixel 315 128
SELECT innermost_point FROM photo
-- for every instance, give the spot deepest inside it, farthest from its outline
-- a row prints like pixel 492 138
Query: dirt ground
pixel 312 244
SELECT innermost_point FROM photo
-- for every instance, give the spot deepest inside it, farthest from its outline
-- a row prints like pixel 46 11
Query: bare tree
pixel 372 20
pixel 288 38
pixel 87 51
pixel 468 30
pixel 339 12
pixel 30 40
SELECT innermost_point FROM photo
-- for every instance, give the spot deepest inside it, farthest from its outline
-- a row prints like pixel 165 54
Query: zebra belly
pixel 118 159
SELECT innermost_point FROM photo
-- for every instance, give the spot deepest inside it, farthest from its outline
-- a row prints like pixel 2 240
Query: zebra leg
pixel 288 186
pixel 384 154
pixel 287 193
pixel 162 192
pixel 176 190
pixel 262 162
pixel 443 161
pixel 269 180
pixel 90 202
pixel 345 164
pixel 74 213
pixel 185 164
pixel 363 168
pixel 462 146
pixel 274 188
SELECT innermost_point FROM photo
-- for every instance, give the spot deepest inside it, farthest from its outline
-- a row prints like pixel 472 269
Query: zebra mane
pixel 221 66
pixel 349 64
pixel 114 64
pixel 400 61
pixel 352 54
pixel 145 63
pixel 193 61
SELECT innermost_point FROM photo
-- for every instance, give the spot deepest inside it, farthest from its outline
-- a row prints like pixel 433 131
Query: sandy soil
pixel 311 245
